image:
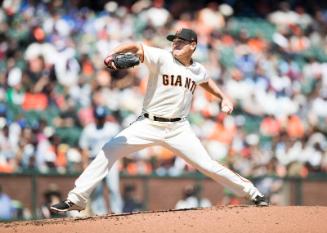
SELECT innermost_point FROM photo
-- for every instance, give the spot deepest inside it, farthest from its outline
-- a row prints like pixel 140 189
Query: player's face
pixel 100 122
pixel 183 47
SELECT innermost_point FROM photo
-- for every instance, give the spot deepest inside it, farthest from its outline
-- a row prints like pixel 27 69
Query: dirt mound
pixel 245 219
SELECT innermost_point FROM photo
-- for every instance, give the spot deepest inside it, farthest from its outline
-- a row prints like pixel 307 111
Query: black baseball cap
pixel 184 34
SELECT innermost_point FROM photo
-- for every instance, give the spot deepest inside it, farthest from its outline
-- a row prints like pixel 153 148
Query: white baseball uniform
pixel 169 95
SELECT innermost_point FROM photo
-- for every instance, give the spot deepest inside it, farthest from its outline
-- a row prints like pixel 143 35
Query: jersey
pixel 171 84
pixel 93 139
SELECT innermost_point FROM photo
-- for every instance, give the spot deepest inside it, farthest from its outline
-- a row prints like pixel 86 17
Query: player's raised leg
pixel 185 143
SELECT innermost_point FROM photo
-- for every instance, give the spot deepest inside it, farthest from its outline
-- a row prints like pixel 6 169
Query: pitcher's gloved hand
pixel 119 61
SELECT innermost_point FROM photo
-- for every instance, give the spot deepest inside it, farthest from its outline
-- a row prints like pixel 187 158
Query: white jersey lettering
pixel 170 80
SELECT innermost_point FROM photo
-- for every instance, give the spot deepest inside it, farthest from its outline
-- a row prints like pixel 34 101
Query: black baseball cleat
pixel 260 201
pixel 65 206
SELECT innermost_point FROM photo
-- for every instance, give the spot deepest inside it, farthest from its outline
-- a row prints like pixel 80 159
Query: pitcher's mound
pixel 242 219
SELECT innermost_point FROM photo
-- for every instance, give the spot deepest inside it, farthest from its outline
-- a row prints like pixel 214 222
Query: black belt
pixel 155 118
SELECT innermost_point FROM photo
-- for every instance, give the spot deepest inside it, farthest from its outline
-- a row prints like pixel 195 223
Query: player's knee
pixel 114 143
pixel 109 149
pixel 108 146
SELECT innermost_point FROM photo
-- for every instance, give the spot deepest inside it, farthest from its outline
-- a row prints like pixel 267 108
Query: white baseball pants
pixel 176 136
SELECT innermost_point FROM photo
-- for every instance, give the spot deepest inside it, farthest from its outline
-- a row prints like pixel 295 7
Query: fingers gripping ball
pixel 225 109
pixel 122 61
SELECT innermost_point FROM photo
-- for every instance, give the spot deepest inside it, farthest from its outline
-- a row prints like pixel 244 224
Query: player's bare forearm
pixel 132 47
pixel 225 103
pixel 212 88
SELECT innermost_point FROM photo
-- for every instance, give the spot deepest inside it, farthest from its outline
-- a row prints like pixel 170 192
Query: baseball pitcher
pixel 173 78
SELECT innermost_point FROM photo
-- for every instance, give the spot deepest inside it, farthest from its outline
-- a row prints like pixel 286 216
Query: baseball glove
pixel 122 61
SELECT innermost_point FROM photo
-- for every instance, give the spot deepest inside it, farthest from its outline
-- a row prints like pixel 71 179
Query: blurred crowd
pixel 52 79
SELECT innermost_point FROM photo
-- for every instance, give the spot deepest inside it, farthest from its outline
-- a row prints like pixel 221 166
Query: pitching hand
pixel 226 106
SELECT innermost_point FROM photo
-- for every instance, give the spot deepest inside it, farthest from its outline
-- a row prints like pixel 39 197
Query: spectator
pixel 131 204
pixel 6 210
pixel 51 196
pixel 192 198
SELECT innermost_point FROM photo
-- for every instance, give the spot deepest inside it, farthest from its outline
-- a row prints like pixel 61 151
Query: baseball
pixel 225 109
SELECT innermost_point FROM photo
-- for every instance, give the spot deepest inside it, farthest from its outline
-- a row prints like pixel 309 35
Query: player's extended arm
pixel 226 104
pixel 131 47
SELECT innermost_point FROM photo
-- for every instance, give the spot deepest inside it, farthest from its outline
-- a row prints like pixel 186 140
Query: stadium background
pixel 269 57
